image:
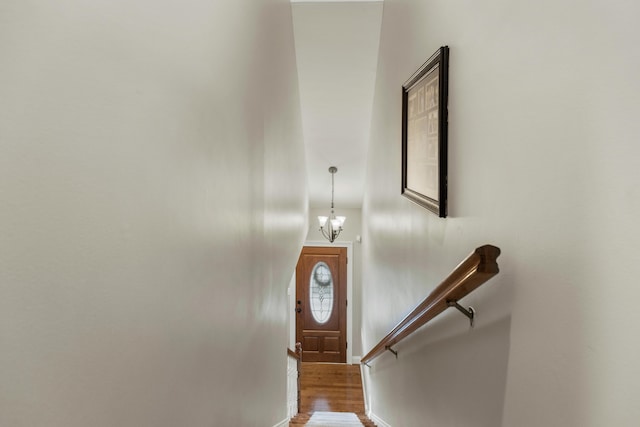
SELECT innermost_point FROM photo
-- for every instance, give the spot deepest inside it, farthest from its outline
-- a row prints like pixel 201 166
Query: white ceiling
pixel 337 53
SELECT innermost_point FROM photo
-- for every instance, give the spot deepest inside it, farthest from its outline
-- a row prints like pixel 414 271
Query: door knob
pixel 298 310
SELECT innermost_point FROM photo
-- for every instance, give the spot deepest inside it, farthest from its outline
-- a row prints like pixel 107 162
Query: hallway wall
pixel 153 205
pixel 544 161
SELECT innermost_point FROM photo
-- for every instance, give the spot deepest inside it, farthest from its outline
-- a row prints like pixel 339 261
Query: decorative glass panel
pixel 321 292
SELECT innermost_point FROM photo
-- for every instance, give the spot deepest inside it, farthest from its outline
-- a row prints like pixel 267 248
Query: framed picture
pixel 424 134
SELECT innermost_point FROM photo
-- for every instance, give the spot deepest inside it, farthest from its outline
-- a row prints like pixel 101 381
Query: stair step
pixel 299 420
pixel 366 421
pixel 303 419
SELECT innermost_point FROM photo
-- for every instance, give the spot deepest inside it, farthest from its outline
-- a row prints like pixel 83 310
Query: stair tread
pixel 302 419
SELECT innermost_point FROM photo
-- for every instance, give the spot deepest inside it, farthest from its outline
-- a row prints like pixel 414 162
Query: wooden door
pixel 321 304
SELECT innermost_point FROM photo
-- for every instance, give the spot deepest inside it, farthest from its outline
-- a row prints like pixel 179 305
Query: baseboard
pixel 355 360
pixel 283 423
pixel 379 421
pixel 373 417
pixel 365 391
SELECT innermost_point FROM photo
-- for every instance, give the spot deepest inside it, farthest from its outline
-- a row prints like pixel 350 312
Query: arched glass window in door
pixel 321 292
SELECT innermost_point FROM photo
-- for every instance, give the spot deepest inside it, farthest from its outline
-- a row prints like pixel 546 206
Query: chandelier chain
pixel 333 174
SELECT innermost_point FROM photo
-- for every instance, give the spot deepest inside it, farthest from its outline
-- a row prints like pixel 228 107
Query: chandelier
pixel 331 226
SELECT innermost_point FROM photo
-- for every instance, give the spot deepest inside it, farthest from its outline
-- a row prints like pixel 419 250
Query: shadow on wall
pixel 429 384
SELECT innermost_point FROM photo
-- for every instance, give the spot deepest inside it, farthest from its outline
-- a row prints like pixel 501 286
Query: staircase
pixel 330 389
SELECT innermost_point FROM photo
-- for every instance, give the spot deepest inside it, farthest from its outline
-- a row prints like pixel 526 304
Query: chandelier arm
pixel 326 235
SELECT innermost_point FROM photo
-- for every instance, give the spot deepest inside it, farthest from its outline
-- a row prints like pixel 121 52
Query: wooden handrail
pixel 476 269
pixel 297 354
pixel 293 354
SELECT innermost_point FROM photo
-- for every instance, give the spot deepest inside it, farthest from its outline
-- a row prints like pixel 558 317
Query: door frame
pixel 292 295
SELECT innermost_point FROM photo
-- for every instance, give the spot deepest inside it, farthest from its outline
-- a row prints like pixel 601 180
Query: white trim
pixel 291 293
pixel 283 423
pixel 378 421
pixel 355 360
pixel 349 246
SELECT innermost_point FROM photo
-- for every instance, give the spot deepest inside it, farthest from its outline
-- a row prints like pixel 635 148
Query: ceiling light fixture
pixel 331 226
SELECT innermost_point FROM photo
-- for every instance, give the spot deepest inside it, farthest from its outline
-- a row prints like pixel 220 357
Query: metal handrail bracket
pixel 475 270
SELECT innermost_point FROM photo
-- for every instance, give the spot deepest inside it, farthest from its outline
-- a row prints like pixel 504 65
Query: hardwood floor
pixel 330 387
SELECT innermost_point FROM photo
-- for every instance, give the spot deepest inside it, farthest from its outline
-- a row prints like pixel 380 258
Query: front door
pixel 321 304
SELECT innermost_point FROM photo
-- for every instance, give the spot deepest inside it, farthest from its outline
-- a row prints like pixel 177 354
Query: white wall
pixel 544 161
pixel 153 203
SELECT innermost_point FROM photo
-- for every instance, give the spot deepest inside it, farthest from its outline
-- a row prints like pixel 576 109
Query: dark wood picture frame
pixel 424 134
